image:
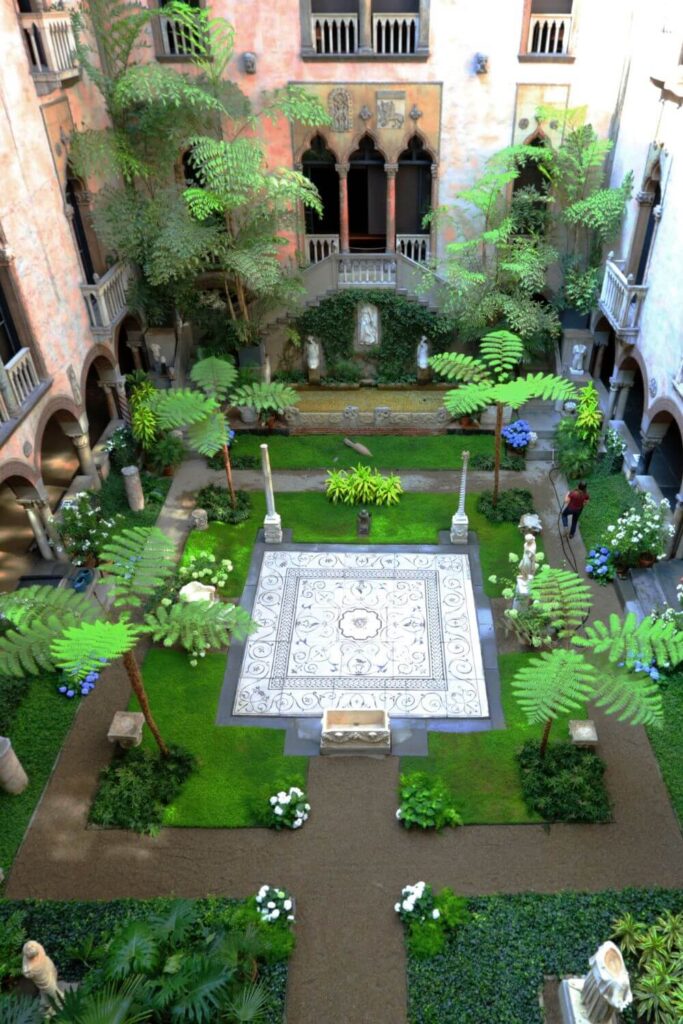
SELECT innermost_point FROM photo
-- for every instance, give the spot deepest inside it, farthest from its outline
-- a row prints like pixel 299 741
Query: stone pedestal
pixel 355 732
pixel 196 591
pixel 583 733
pixel 572 1009
pixel 200 519
pixel 460 526
pixel 314 375
pixel 13 778
pixel 133 484
pixel 272 529
pixel 126 729
pixel 424 376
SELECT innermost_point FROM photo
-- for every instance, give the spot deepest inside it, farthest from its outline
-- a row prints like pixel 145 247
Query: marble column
pixel 133 485
pixel 42 540
pixel 460 521
pixel 343 171
pixel 52 531
pixel 434 205
pixel 620 408
pixel 81 443
pixel 391 172
pixel 365 40
pixel 120 385
pixel 614 387
pixel 112 409
pixel 272 524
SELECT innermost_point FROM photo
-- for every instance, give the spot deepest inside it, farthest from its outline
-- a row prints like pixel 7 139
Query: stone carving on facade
pixel 415 112
pixel 293 416
pixel 351 415
pixel 339 109
pixel 382 416
pixel 365 113
pixel 368 325
pixel 652 387
pixel 249 60
pixel 481 64
pixel 578 354
pixel 391 109
pixel 75 386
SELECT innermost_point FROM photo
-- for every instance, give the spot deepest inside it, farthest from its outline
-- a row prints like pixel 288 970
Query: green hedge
pixel 61 925
pixel 493 968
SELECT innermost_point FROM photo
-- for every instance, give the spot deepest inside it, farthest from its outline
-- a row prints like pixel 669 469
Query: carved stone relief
pixel 339 109
pixel 391 109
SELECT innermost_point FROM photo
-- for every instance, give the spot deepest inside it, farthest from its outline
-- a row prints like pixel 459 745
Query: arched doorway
pixel 16 535
pixel 635 402
pixel 367 199
pixel 319 167
pixel 128 341
pixel 97 403
pixel 666 465
pixel 413 200
pixel 59 462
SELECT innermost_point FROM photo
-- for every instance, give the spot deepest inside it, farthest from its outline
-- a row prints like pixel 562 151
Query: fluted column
pixel 614 387
pixel 343 172
pixel 120 386
pixel 272 524
pixel 365 40
pixel 460 522
pixel 391 172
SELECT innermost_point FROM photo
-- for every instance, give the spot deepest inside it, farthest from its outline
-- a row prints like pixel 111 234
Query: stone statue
pixel 423 354
pixel 527 566
pixel 578 353
pixel 267 373
pixel 38 967
pixel 312 353
pixel 368 325
pixel 196 591
pixel 607 986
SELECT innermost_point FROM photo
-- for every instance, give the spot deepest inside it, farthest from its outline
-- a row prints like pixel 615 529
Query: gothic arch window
pixel 318 164
pixel 413 188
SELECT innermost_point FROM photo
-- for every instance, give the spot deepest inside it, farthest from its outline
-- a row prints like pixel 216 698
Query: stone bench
pixel 126 729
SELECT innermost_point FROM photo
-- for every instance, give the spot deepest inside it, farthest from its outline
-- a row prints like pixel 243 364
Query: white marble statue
pixel 266 372
pixel 423 354
pixel 196 591
pixel 527 565
pixel 368 325
pixel 37 966
pixel 312 353
pixel 578 353
pixel 156 352
pixel 607 983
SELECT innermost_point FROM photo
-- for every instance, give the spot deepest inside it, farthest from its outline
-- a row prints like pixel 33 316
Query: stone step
pixel 648 589
pixel 541 452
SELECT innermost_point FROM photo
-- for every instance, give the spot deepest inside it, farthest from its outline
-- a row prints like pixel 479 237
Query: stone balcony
pixel 621 300
pixel 20 389
pixel 105 299
pixel 51 47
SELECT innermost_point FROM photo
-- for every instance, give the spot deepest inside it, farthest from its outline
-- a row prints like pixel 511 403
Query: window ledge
pixel 420 56
pixel 7 429
pixel 546 58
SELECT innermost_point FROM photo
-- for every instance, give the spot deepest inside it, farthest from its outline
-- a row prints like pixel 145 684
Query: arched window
pixel 413 188
pixel 319 167
pixel 367 198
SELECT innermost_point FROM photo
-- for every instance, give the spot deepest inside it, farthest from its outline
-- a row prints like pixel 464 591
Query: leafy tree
pixel 563 679
pixel 47 629
pixel 489 380
pixel 225 220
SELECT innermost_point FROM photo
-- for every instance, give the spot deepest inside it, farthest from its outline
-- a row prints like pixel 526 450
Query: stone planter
pixel 13 778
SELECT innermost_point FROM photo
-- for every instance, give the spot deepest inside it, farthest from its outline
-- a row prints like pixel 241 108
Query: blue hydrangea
pixel 604 551
pixel 589 568
pixel 591 553
pixel 602 570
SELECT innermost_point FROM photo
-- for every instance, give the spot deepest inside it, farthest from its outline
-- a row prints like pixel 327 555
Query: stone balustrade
pixel 395 34
pixel 414 247
pixel 319 247
pixel 549 34
pixel 335 34
pixel 50 42
pixel 22 375
pixel 367 269
pixel 106 298
pixel 621 300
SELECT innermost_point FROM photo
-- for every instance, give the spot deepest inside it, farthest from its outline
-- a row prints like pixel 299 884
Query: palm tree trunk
pixel 228 474
pixel 135 676
pixel 497 447
pixel 545 737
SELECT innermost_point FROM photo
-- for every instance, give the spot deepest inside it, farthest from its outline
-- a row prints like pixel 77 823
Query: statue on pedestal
pixel 423 354
pixel 578 353
pixel 527 566
pixel 312 353
pixel 37 966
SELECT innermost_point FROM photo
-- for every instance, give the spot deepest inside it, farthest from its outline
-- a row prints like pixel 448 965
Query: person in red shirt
pixel 574 502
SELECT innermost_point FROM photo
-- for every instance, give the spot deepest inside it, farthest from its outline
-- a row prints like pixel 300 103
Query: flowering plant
pixel 69 688
pixel 615 449
pixel 123 450
pixel 517 434
pixel 641 531
pixel 274 904
pixel 417 904
pixel 289 810
pixel 600 564
pixel 84 529
pixel 205 568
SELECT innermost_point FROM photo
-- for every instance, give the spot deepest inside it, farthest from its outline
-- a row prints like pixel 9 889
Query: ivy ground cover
pixel 328 451
pixel 667 743
pixel 480 769
pixel 238 768
pixel 493 967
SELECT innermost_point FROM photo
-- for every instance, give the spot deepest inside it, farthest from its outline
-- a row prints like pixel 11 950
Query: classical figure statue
pixel 607 985
pixel 423 354
pixel 368 325
pixel 38 967
pixel 527 565
pixel 578 353
pixel 312 353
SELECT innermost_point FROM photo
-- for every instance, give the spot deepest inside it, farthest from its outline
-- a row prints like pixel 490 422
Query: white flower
pixel 287 905
pixel 435 914
pixel 307 807
pixel 273 799
pixel 278 810
pixel 290 917
pixel 397 908
pixel 282 797
pixel 270 904
pixel 275 915
pixel 297 824
pixel 398 814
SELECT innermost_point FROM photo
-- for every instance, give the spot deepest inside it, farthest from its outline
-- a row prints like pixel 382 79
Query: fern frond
pixel 564 597
pixel 23 606
pixel 180 406
pixel 631 696
pixel 629 641
pixel 535 385
pixel 38 615
pixel 553 684
pixel 266 397
pixel 214 376
pixel 199 625
pixel 86 648
pixel 501 351
pixel 30 653
pixel 457 366
pixel 208 436
pixel 135 563
pixel 469 398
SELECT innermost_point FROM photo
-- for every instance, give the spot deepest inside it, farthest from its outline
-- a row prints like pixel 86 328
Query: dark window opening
pixel 319 167
pixel 9 339
pixel 413 188
pixel 73 189
pixel 649 236
pixel 367 187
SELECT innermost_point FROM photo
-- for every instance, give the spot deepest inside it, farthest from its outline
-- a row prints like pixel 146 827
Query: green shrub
pixel 511 505
pixel 12 938
pixel 343 371
pixel 574 456
pixel 362 486
pixel 216 501
pixel 425 938
pixel 166 453
pixel 137 786
pixel 564 785
pixel 426 803
pixel 507 461
pixel 122 448
pixel 237 461
pixel 453 909
pixel 654 957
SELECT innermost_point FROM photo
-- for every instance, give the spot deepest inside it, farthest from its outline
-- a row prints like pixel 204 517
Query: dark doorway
pixel 649 236
pixel 413 188
pixel 367 199
pixel 667 464
pixel 74 198
pixel 319 167
pixel 95 405
pixel 635 404
pixel 9 339
pixel 609 352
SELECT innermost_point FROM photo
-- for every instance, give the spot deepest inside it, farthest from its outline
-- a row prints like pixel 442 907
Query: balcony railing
pixel 621 300
pixel 414 247
pixel 106 298
pixel 176 39
pixel 335 34
pixel 549 34
pixel 22 375
pixel 395 34
pixel 50 43
pixel 378 271
pixel 319 247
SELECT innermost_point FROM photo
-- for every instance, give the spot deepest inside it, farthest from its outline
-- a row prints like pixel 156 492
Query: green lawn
pixel 610 496
pixel 417 519
pixel 480 768
pixel 667 743
pixel 239 767
pixel 38 731
pixel 328 451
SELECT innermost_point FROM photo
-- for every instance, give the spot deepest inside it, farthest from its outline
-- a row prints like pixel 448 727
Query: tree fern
pixel 501 351
pixel 135 563
pixel 553 684
pixel 29 603
pixel 180 406
pixel 266 397
pixel 460 367
pixel 214 376
pixel 199 626
pixel 631 696
pixel 210 435
pixel 86 648
pixel 627 640
pixel 36 616
pixel 470 398
pixel 539 385
pixel 564 597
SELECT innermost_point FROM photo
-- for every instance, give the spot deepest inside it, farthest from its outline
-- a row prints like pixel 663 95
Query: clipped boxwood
pixel 492 968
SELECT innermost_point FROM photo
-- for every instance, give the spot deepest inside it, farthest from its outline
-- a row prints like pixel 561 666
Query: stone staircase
pixel 543 418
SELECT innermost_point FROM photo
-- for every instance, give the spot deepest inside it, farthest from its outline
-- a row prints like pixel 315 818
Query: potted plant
pixel 166 455
pixel 640 535
pixel 265 401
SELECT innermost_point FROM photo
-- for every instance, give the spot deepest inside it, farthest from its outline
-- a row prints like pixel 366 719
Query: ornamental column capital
pixel 342 169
